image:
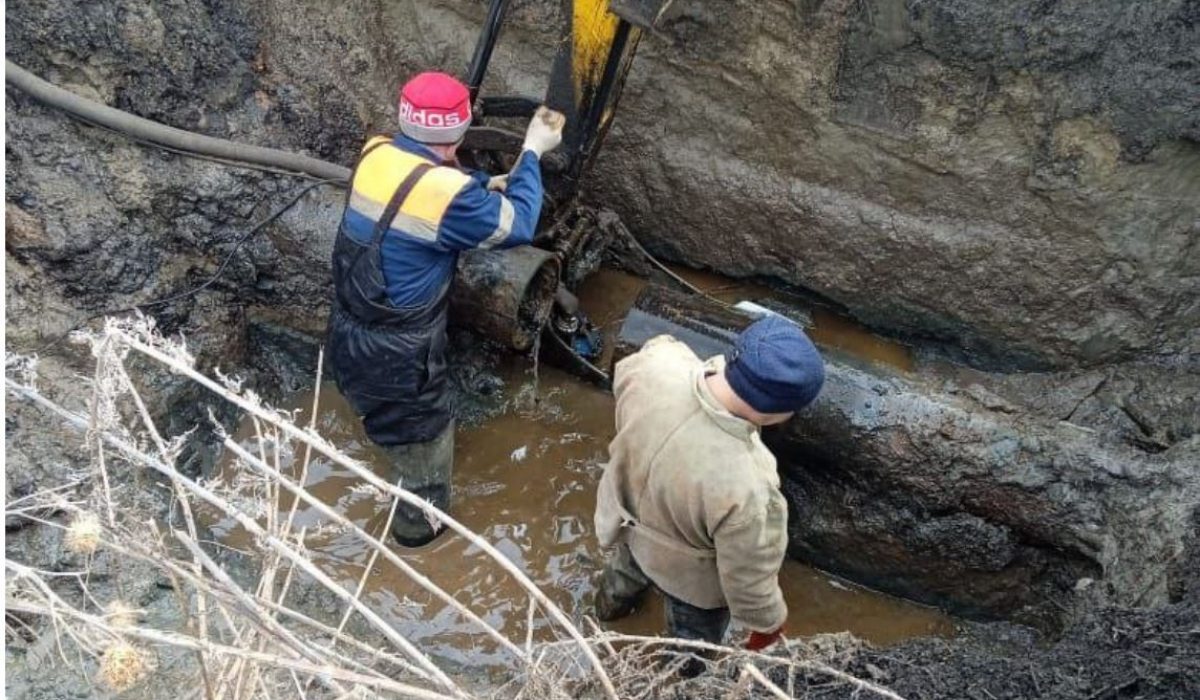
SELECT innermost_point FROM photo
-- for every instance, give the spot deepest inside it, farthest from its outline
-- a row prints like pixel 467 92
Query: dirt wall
pixel 1018 178
pixel 930 485
pixel 1019 181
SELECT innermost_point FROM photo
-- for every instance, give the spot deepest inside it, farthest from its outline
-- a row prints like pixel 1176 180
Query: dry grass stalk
pixel 259 646
pixel 312 428
pixel 753 672
pixel 121 614
pixel 108 358
pixel 180 365
pixel 95 411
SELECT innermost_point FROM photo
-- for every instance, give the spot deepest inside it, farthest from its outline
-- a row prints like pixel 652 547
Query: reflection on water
pixel 525 480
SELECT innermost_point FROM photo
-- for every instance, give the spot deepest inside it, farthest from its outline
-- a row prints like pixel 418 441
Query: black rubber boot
pixel 622 586
pixel 686 621
pixel 424 468
pixel 610 608
pixel 410 527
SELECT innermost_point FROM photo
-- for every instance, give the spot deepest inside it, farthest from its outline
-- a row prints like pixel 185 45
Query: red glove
pixel 761 640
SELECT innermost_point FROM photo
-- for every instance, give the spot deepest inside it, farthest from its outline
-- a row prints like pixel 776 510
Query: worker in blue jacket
pixel 409 214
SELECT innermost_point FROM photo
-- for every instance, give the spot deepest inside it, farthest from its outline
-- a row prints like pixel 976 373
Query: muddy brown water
pixel 526 480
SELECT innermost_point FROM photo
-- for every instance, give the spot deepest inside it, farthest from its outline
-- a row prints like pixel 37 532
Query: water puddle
pixel 525 480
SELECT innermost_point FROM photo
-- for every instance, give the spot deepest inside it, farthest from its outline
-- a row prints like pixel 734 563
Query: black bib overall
pixel 390 364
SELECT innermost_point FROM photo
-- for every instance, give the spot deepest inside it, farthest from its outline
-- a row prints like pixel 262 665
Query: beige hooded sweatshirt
pixel 692 490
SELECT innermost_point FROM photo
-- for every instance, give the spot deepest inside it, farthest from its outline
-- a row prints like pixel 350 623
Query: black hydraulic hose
pixel 147 130
pixel 483 47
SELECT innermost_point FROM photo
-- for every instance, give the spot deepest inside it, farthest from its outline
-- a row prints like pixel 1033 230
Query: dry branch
pixel 184 367
pixel 258 645
pixel 59 608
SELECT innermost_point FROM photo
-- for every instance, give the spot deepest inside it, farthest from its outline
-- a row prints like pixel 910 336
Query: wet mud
pixel 526 480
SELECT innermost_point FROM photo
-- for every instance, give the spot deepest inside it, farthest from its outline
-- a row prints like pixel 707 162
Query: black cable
pixel 229 258
pixel 207 283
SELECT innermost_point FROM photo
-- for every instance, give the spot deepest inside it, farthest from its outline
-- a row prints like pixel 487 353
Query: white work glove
pixel 499 183
pixel 544 132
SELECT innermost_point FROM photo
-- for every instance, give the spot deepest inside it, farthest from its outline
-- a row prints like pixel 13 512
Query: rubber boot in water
pixel 423 468
pixel 410 526
pixel 622 585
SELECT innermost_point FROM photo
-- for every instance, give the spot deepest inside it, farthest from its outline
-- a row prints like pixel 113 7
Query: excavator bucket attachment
pixel 588 75
pixel 597 41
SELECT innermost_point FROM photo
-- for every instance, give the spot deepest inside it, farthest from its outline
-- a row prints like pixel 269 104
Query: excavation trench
pixel 909 476
pixel 920 481
pixel 525 477
pixel 1017 206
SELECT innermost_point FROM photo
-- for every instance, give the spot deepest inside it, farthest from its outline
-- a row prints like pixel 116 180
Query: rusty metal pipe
pixel 949 496
pixel 506 295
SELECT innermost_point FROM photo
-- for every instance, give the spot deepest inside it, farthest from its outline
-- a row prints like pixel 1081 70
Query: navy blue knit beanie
pixel 774 367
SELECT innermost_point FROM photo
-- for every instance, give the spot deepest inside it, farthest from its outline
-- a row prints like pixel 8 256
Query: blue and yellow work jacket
pixel 406 220
pixel 448 211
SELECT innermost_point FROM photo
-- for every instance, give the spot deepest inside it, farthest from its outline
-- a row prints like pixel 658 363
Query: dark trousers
pixel 425 469
pixel 623 585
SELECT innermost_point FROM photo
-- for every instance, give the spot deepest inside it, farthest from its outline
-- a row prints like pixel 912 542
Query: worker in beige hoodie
pixel 690 501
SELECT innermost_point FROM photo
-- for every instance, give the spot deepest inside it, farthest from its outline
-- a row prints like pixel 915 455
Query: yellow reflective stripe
pixel 433 193
pixel 382 171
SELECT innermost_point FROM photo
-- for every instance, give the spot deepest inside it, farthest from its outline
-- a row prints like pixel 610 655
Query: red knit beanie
pixel 434 108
